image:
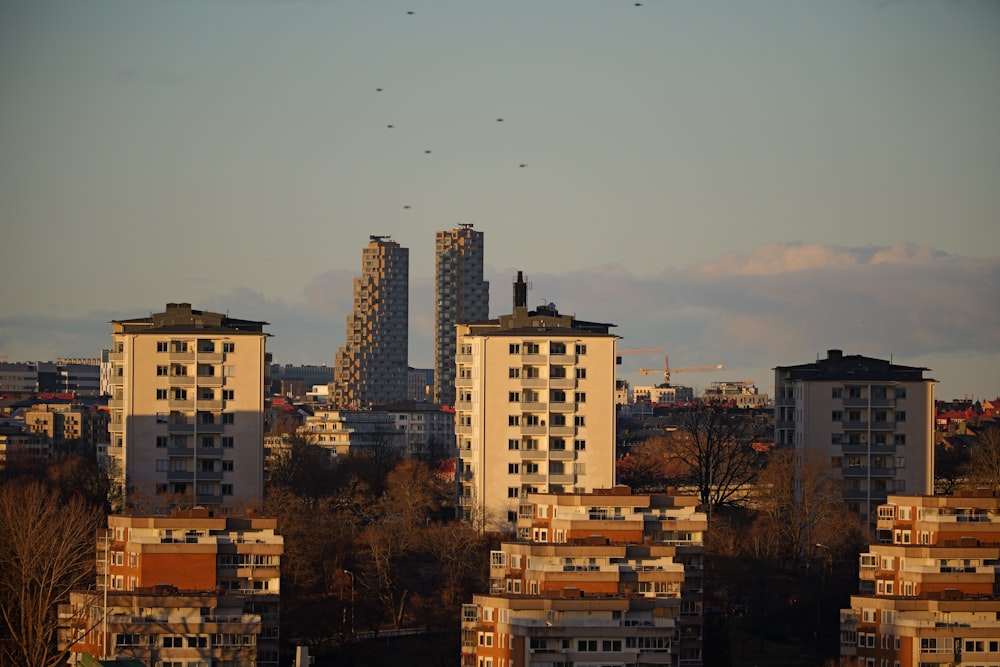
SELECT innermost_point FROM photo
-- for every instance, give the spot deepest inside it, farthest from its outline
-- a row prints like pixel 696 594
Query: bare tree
pixel 984 458
pixel 46 550
pixel 712 452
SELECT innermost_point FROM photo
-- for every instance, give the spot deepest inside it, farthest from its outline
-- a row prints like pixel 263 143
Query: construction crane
pixel 667 369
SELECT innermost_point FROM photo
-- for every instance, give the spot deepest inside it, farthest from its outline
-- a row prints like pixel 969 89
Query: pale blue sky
pixel 723 175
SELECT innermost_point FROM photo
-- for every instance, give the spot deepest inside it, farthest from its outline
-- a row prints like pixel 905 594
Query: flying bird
pixel 522 165
pixel 407 206
pixel 499 120
pixel 427 151
pixel 390 126
pixel 378 90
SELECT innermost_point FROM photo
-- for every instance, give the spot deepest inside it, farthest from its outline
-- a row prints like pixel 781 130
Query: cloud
pixel 779 304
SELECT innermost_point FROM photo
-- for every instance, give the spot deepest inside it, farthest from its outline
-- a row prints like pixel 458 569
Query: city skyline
pixel 748 185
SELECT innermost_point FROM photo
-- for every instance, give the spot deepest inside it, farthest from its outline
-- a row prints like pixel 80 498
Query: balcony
pixel 534 383
pixel 465 429
pixel 180 427
pixel 179 476
pixel 533 430
pixel 209 428
pixel 463 382
pixel 209 475
pixel 859 448
pixel 562 359
pixel 562 383
pixel 463 358
pixel 210 358
pixel 883 426
pixel 180 381
pixel 562 430
pixel 180 357
pixel 180 404
pixel 209 404
pixel 116 356
pixel 209 380
pixel 784 402
pixel 532 478
pixel 854 425
pixel 561 478
pixel 212 499
pixel 561 454
pixel 532 455
pixel 533 406
pixel 116 404
pixel 566 407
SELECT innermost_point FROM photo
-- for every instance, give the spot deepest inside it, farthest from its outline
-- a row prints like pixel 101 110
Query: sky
pixel 738 183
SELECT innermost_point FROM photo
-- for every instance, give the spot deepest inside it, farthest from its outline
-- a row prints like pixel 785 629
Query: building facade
pixel 928 590
pixel 187 589
pixel 460 295
pixel 345 432
pixel 603 578
pixel 187 408
pixel 534 410
pixel 872 419
pixel 370 368
pixel 69 425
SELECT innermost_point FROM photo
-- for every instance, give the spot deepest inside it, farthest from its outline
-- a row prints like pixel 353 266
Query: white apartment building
pixel 872 419
pixel 187 406
pixel 534 410
pixel 343 432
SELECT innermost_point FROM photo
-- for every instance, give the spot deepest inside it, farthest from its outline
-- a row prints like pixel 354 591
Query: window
pixel 229 371
pixel 838 392
pixel 580 397
pixel 161 346
pixel 228 394
pixel 208 441
pixel 530 468
pixel 586 645
pixel 900 392
pixel 513 491
pixel 227 466
pixel 900 439
pixel 581 373
pixel 227 442
pixel 513 443
pixel 837 416
pixel 228 418
pixel 579 420
pixel 515 348
pixel 514 372
pixel 229 347
pixel 557 444
pixel 227 489
pixel 173 641
pixel 557 372
pixel 531 348
pixel 557 348
pixel 579 468
pixel 580 445
pixel 162 465
pixel 581 349
pixel 513 468
pixel 162 371
pixel 513 397
pixel 197 641
pixel 900 415
pixel 836 438
pixel 531 420
pixel 161 394
pixel 513 420
pixel 162 440
pixel 558 396
pixel 609 645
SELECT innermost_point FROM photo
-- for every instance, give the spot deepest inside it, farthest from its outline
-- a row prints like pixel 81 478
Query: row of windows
pixel 555 444
pixel 861 439
pixel 181 465
pixel 204 488
pixel 555 396
pixel 533 372
pixel 181 346
pixel 180 394
pixel 175 417
pixel 555 347
pixel 207 441
pixel 878 416
pixel 878 393
pixel 535 420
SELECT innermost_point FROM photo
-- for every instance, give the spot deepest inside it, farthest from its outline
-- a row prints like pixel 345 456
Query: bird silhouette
pixel 427 151
pixel 522 165
pixel 390 126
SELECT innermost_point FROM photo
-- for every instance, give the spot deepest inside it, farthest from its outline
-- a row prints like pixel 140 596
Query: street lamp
pixel 351 575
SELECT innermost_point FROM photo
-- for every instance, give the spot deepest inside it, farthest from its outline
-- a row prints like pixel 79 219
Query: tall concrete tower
pixel 461 295
pixel 370 368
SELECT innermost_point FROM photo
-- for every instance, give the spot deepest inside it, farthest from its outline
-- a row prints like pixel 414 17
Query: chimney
pixel 520 292
pixel 834 354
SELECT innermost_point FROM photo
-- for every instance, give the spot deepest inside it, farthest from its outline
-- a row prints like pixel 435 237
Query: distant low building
pixel 664 394
pixel 343 432
pixel 738 394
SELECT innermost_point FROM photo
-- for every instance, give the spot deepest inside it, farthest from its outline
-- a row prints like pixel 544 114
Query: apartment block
pixel 67 424
pixel 370 368
pixel 187 408
pixel 602 578
pixel 461 295
pixel 345 432
pixel 427 429
pixel 534 409
pixel 872 419
pixel 189 589
pixel 928 590
pixel 17 442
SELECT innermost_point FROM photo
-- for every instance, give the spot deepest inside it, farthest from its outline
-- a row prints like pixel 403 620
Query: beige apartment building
pixel 370 368
pixel 928 589
pixel 873 420
pixel 534 410
pixel 461 295
pixel 187 408
pixel 602 578
pixel 66 424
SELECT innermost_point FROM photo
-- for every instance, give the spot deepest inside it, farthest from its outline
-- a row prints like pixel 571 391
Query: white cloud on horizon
pixel 778 304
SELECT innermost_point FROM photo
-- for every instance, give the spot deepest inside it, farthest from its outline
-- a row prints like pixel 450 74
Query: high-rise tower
pixel 461 295
pixel 371 366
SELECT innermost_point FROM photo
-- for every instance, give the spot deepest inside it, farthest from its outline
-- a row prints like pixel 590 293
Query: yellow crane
pixel 667 369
